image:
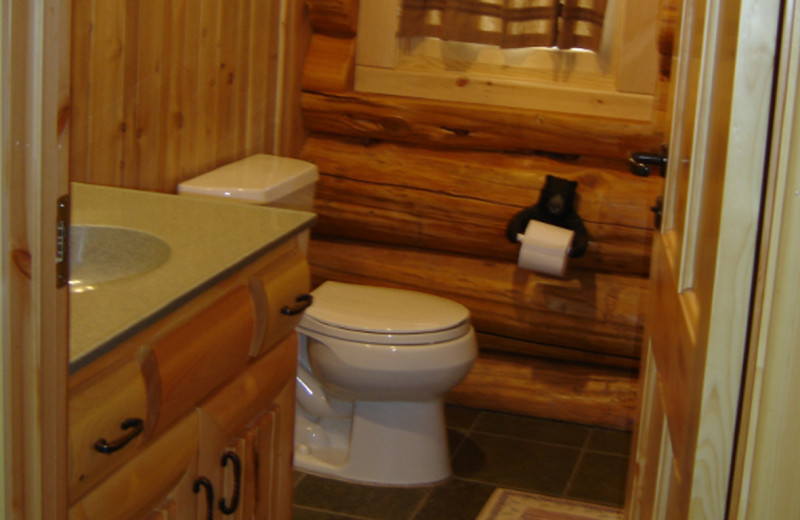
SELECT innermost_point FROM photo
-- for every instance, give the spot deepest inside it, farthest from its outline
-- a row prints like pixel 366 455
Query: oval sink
pixel 99 254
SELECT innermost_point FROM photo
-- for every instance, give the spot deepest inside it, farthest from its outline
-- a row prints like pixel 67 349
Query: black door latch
pixel 640 162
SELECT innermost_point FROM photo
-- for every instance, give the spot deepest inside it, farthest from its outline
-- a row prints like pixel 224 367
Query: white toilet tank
pixel 260 179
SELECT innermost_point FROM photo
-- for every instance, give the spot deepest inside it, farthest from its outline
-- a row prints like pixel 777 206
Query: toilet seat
pixel 383 316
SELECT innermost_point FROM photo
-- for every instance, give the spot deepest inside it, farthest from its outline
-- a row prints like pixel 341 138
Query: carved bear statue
pixel 556 206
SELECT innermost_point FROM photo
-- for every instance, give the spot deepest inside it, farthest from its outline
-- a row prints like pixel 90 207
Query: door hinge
pixel 62 242
pixel 658 212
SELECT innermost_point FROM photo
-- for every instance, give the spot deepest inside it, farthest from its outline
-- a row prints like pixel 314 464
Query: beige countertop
pixel 209 240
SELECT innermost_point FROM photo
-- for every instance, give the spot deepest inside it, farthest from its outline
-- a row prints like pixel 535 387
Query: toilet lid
pixel 381 310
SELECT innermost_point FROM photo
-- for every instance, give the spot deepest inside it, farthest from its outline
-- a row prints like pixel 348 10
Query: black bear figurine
pixel 555 207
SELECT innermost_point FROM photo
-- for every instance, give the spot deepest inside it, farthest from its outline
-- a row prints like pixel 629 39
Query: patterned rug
pixel 505 504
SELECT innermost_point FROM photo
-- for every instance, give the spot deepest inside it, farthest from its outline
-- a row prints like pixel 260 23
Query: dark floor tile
pixel 301 513
pixel 454 440
pixel 455 500
pixel 460 416
pixel 610 441
pixel 600 477
pixel 532 428
pixel 374 502
pixel 514 463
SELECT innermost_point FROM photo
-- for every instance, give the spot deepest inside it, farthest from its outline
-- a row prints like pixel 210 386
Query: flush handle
pixel 304 301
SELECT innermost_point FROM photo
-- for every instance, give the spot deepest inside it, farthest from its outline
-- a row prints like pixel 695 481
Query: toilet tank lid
pixel 258 179
pixel 383 310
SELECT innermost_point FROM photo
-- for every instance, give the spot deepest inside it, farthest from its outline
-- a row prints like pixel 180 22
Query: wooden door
pixel 703 260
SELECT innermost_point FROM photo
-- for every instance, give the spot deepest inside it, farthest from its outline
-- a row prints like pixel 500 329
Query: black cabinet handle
pixel 136 425
pixel 237 477
pixel 204 483
pixel 305 300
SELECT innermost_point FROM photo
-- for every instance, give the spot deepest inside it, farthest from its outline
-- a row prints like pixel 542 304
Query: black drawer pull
pixel 237 477
pixel 103 446
pixel 203 482
pixel 304 300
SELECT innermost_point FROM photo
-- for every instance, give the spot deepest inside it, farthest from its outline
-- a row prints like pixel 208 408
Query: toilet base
pixel 390 443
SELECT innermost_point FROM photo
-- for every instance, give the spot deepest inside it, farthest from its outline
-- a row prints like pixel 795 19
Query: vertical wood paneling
pixel 208 64
pixel 175 79
pixel 106 102
pixel 163 91
pixel 189 87
pixel 228 79
pixel 80 82
pixel 243 71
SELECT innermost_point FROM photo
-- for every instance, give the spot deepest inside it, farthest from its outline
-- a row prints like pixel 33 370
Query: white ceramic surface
pixel 373 411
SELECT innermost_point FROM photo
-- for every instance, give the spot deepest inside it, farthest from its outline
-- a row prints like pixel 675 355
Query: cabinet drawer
pixel 275 290
pixel 188 363
pixel 165 467
pixel 97 412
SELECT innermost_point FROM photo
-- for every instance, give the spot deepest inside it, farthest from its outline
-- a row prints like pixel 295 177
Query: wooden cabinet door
pixel 251 419
pixel 703 261
pixel 160 477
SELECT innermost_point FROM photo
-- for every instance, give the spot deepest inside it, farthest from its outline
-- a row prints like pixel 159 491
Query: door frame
pixel 767 465
pixel 35 100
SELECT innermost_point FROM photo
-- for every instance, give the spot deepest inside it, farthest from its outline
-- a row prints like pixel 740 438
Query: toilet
pixel 374 363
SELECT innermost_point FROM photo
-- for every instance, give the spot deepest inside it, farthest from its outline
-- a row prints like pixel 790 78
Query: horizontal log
pixel 502 344
pixel 571 392
pixel 585 311
pixel 329 64
pixel 462 201
pixel 333 17
pixel 475 127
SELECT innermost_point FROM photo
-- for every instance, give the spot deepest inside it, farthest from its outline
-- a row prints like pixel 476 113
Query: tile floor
pixel 489 450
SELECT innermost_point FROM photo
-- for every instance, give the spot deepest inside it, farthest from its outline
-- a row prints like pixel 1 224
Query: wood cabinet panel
pixel 191 361
pixel 146 480
pixel 283 287
pixel 202 394
pixel 96 411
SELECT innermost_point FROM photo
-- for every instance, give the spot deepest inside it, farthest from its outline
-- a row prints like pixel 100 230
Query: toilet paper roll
pixel 544 248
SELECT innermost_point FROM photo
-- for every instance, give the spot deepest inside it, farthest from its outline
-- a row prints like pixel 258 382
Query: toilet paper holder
pixel 555 207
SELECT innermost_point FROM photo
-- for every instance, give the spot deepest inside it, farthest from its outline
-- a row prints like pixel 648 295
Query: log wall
pixel 417 193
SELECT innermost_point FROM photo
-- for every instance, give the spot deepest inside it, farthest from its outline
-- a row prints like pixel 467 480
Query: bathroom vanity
pixel 181 386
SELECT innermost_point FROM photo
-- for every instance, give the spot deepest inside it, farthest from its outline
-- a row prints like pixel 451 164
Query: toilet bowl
pixel 373 364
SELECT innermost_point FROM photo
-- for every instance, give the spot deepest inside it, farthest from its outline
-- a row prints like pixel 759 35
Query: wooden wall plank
pixel 228 78
pixel 80 82
pixel 144 82
pixel 190 91
pixel 106 104
pixel 453 125
pixel 208 75
pixel 243 72
pixel 175 79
